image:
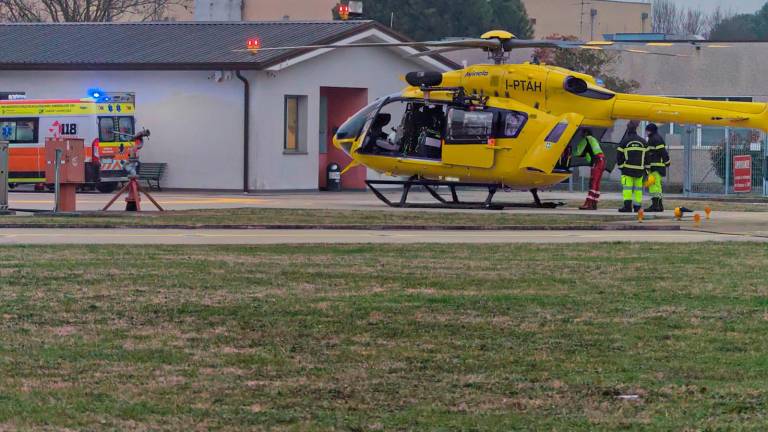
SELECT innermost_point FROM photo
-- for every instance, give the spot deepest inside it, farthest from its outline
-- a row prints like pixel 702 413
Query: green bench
pixel 152 172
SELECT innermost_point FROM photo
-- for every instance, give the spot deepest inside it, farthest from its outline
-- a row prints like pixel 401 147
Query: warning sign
pixel 742 174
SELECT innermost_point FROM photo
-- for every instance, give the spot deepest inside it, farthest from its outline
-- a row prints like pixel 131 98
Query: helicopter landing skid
pixel 453 201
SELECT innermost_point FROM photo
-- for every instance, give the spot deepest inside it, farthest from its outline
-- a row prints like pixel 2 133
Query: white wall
pixel 196 123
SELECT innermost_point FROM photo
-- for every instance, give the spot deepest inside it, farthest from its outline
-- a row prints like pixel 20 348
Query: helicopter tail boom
pixel 690 111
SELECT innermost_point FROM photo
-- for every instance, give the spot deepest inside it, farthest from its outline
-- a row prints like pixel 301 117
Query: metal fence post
pixel 56 181
pixel 764 154
pixel 687 162
pixel 728 163
pixel 4 178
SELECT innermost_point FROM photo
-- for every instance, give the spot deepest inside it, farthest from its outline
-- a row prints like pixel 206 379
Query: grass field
pixel 385 338
pixel 267 216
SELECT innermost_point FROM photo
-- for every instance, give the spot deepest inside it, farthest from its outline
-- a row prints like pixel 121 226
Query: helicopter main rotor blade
pixel 461 43
pixel 513 44
pixel 439 51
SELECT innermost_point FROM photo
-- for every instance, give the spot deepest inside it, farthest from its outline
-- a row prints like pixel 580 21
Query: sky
pixel 739 6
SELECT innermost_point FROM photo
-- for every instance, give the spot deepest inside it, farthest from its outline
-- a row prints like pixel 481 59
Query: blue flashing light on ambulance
pixel 104 121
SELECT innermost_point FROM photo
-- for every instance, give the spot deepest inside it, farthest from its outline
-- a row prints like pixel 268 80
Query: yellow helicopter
pixel 509 126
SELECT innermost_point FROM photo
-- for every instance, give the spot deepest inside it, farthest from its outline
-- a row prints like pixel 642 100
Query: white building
pixel 191 83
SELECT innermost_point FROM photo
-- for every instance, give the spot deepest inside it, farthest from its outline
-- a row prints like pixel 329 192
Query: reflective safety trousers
pixel 656 190
pixel 632 189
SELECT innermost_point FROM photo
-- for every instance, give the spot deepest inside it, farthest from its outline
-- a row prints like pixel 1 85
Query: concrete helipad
pixel 725 226
pixel 299 200
pixel 262 237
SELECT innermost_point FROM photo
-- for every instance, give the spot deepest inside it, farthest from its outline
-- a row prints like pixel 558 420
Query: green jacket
pixel 588 151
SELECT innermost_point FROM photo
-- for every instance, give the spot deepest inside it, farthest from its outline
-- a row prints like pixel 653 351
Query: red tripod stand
pixel 133 200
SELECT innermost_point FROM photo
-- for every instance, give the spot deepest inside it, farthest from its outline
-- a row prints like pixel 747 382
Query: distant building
pixel 588 19
pixel 181 11
pixel 263 10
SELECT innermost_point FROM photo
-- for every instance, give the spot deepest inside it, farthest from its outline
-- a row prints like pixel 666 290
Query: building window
pixel 295 124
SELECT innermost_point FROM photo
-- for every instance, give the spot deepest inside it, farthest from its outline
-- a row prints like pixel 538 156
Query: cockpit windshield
pixel 352 128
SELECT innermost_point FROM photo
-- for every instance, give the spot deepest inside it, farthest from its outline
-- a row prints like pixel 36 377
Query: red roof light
pixel 254 44
pixel 344 11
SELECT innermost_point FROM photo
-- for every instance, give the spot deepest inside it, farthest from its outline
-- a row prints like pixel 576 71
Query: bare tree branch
pixel 693 22
pixel 717 17
pixel 86 10
pixel 668 18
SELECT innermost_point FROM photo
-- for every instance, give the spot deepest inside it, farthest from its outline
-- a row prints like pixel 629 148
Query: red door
pixel 337 105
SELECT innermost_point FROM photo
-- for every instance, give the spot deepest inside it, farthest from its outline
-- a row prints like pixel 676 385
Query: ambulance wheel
pixel 106 187
pixel 12 185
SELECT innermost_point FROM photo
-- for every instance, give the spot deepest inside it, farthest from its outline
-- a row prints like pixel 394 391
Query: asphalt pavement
pixel 727 226
pixel 266 237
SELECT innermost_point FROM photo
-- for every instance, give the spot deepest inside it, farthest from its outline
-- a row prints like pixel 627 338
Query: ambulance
pixel 104 121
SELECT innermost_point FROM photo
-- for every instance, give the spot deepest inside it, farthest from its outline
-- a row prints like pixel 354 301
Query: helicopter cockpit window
pixel 354 126
pixel 469 127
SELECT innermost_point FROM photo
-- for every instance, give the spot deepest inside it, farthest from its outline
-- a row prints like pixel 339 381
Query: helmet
pixel 652 128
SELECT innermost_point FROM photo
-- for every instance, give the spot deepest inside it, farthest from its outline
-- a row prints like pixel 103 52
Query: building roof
pixel 166 45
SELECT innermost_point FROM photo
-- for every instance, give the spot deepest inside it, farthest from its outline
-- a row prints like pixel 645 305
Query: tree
pixel 597 63
pixel 716 18
pixel 743 27
pixel 431 20
pixel 665 17
pixel 84 10
pixel 669 18
pixel 693 22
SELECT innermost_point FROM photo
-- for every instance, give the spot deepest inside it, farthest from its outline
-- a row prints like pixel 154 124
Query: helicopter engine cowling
pixel 575 85
pixel 424 79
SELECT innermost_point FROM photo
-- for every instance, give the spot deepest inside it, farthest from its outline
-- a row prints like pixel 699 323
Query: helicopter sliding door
pixel 468 138
pixel 551 145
